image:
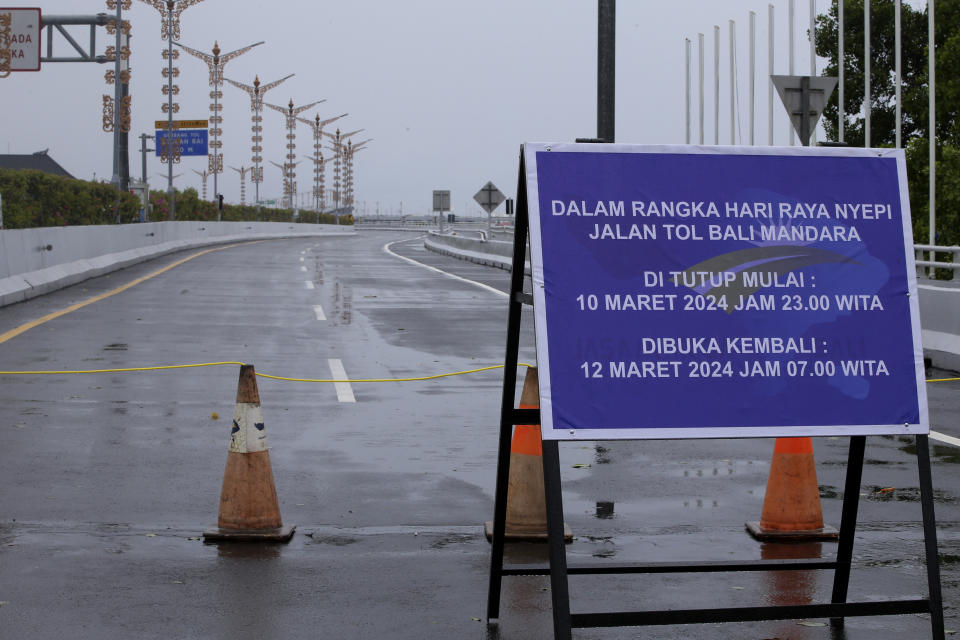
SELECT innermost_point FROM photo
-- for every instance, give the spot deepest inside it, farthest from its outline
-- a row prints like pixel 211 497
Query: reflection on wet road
pixel 108 479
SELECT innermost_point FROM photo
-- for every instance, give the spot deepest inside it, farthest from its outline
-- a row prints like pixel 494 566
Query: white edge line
pixel 386 249
pixel 942 437
pixel 344 390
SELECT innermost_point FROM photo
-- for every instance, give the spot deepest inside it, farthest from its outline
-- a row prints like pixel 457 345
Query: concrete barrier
pixel 36 261
pixel 940 321
pixel 492 253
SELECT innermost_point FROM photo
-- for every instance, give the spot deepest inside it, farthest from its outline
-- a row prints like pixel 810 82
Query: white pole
pixel 686 47
pixel 898 70
pixel 841 116
pixel 791 23
pixel 932 49
pixel 813 57
pixel 770 73
pixel 753 72
pixel 866 73
pixel 733 82
pixel 700 51
pixel 716 84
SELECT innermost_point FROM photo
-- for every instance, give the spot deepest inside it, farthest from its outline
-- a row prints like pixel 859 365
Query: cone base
pixel 773 535
pixel 280 534
pixel 513 536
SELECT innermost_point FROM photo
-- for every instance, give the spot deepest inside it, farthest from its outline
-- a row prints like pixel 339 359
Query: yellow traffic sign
pixel 183 124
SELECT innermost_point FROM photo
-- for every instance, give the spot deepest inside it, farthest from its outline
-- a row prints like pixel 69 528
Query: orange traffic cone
pixel 791 506
pixel 249 510
pixel 526 501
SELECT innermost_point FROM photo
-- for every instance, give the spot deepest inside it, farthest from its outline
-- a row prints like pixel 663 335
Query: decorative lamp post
pixel 318 181
pixel 170 11
pixel 351 149
pixel 338 140
pixel 203 175
pixel 290 113
pixel 256 93
pixel 216 63
pixel 317 126
pixel 289 188
pixel 118 106
pixel 243 183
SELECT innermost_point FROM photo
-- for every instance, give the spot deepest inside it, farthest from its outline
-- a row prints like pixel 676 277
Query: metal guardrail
pixel 925 266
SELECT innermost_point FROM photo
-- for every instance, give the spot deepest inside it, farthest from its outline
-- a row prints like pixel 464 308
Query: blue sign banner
pixel 687 292
pixel 193 142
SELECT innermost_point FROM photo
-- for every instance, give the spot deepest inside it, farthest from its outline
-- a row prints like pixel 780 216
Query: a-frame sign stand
pixel 564 621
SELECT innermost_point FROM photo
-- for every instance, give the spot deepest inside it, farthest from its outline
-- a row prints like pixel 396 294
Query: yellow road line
pixel 259 375
pixel 13 333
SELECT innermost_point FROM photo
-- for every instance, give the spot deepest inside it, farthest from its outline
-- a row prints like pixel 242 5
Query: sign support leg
pixel 930 538
pixel 559 585
pixel 508 399
pixel 848 523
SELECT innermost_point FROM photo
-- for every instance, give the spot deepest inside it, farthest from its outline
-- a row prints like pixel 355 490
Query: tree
pixel 914 91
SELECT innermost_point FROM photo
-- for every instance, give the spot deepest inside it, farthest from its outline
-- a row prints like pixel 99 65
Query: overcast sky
pixel 447 89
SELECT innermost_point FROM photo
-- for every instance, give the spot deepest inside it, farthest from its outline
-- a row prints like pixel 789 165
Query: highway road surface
pixel 110 478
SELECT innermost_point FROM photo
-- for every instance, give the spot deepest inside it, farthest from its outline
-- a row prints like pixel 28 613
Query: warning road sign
pixel 489 197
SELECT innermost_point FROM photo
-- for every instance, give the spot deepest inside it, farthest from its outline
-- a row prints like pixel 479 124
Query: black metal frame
pixel 564 621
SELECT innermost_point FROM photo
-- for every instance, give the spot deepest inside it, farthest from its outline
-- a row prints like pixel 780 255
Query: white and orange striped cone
pixel 526 502
pixel 791 505
pixel 249 510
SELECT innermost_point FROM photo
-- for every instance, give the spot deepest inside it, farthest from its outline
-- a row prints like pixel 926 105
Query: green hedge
pixel 37 199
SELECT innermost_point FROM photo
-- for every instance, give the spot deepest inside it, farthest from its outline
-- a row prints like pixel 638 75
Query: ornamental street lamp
pixel 291 113
pixel 317 126
pixel 351 149
pixel 319 198
pixel 119 104
pixel 170 11
pixel 203 175
pixel 289 188
pixel 215 63
pixel 243 183
pixel 256 93
pixel 338 143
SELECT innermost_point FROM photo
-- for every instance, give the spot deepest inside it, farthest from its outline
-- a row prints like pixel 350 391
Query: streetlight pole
pixel 215 63
pixel 317 126
pixel 170 11
pixel 256 93
pixel 173 147
pixel 291 113
pixel 338 140
pixel 119 76
pixel 243 183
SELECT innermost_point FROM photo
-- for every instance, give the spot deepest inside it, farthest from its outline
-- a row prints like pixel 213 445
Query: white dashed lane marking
pixel 942 437
pixel 337 372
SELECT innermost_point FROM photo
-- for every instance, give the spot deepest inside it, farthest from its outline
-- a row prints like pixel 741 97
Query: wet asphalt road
pixel 108 479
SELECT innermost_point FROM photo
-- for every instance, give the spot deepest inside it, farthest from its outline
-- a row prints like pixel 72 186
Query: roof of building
pixel 40 161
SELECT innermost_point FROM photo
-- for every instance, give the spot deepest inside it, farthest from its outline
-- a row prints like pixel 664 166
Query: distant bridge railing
pixel 926 259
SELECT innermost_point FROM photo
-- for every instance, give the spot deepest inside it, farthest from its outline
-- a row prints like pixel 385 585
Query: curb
pixel 24 286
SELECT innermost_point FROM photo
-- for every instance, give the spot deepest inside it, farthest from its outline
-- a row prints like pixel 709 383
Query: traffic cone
pixel 249 511
pixel 791 506
pixel 526 498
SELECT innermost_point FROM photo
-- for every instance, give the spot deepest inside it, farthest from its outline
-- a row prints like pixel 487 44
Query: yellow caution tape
pixel 260 375
pixel 288 379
